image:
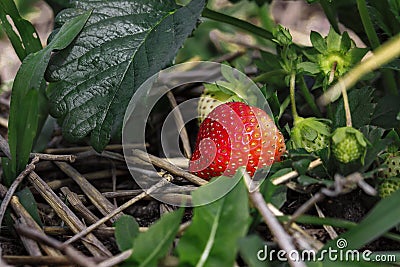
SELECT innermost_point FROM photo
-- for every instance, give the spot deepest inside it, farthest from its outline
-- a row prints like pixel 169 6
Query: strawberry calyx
pixel 336 52
pixel 312 134
pixel 213 96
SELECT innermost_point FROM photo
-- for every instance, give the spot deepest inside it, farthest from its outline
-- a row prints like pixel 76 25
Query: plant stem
pixel 244 25
pixel 309 97
pixel 388 78
pixel 347 107
pixel 382 55
pixel 292 96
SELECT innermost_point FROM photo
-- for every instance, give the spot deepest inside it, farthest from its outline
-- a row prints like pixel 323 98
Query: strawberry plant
pixel 286 144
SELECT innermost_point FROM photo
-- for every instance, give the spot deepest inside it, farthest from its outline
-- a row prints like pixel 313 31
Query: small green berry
pixel 393 166
pixel 348 145
pixel 388 187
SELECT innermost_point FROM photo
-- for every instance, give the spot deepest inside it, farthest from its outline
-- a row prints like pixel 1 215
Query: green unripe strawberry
pixel 393 166
pixel 310 133
pixel 348 145
pixel 388 186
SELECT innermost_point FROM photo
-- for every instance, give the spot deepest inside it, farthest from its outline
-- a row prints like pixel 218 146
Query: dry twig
pixel 73 255
pixel 92 243
pixel 116 259
pixel 101 203
pixel 116 211
pixel 180 124
pixel 77 204
pixel 4 147
pixel 164 164
pixel 282 238
pixel 29 168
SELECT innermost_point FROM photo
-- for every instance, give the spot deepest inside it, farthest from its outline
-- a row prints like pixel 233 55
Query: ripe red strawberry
pixel 234 135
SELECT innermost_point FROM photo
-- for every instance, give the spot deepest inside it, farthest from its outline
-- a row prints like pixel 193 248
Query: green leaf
pixel 378 144
pixel 28 103
pixel 43 138
pixel 379 20
pixel 333 40
pixel 151 246
pixel 383 217
pixel 305 180
pixel 29 203
pixel 26 40
pixel 309 67
pixel 21 131
pixel 249 247
pixel 126 230
pixel 361 108
pixel 274 194
pixel 385 114
pixel 212 238
pixel 318 42
pixel 123 44
pixel 268 62
pixel 301 166
pixel 345 42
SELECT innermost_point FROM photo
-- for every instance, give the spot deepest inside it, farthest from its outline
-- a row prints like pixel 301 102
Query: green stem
pixel 292 96
pixel 388 78
pixel 244 25
pixel 367 23
pixel 309 97
pixel 330 15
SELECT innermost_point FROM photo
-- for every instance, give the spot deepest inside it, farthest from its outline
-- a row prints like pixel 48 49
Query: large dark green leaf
pixel 28 102
pixel 123 44
pixel 212 238
pixel 23 37
pixel 151 246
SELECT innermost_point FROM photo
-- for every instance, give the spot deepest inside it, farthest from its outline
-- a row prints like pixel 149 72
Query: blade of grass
pixel 26 40
pixel 244 25
pixel 330 15
pixel 388 77
pixel 28 102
